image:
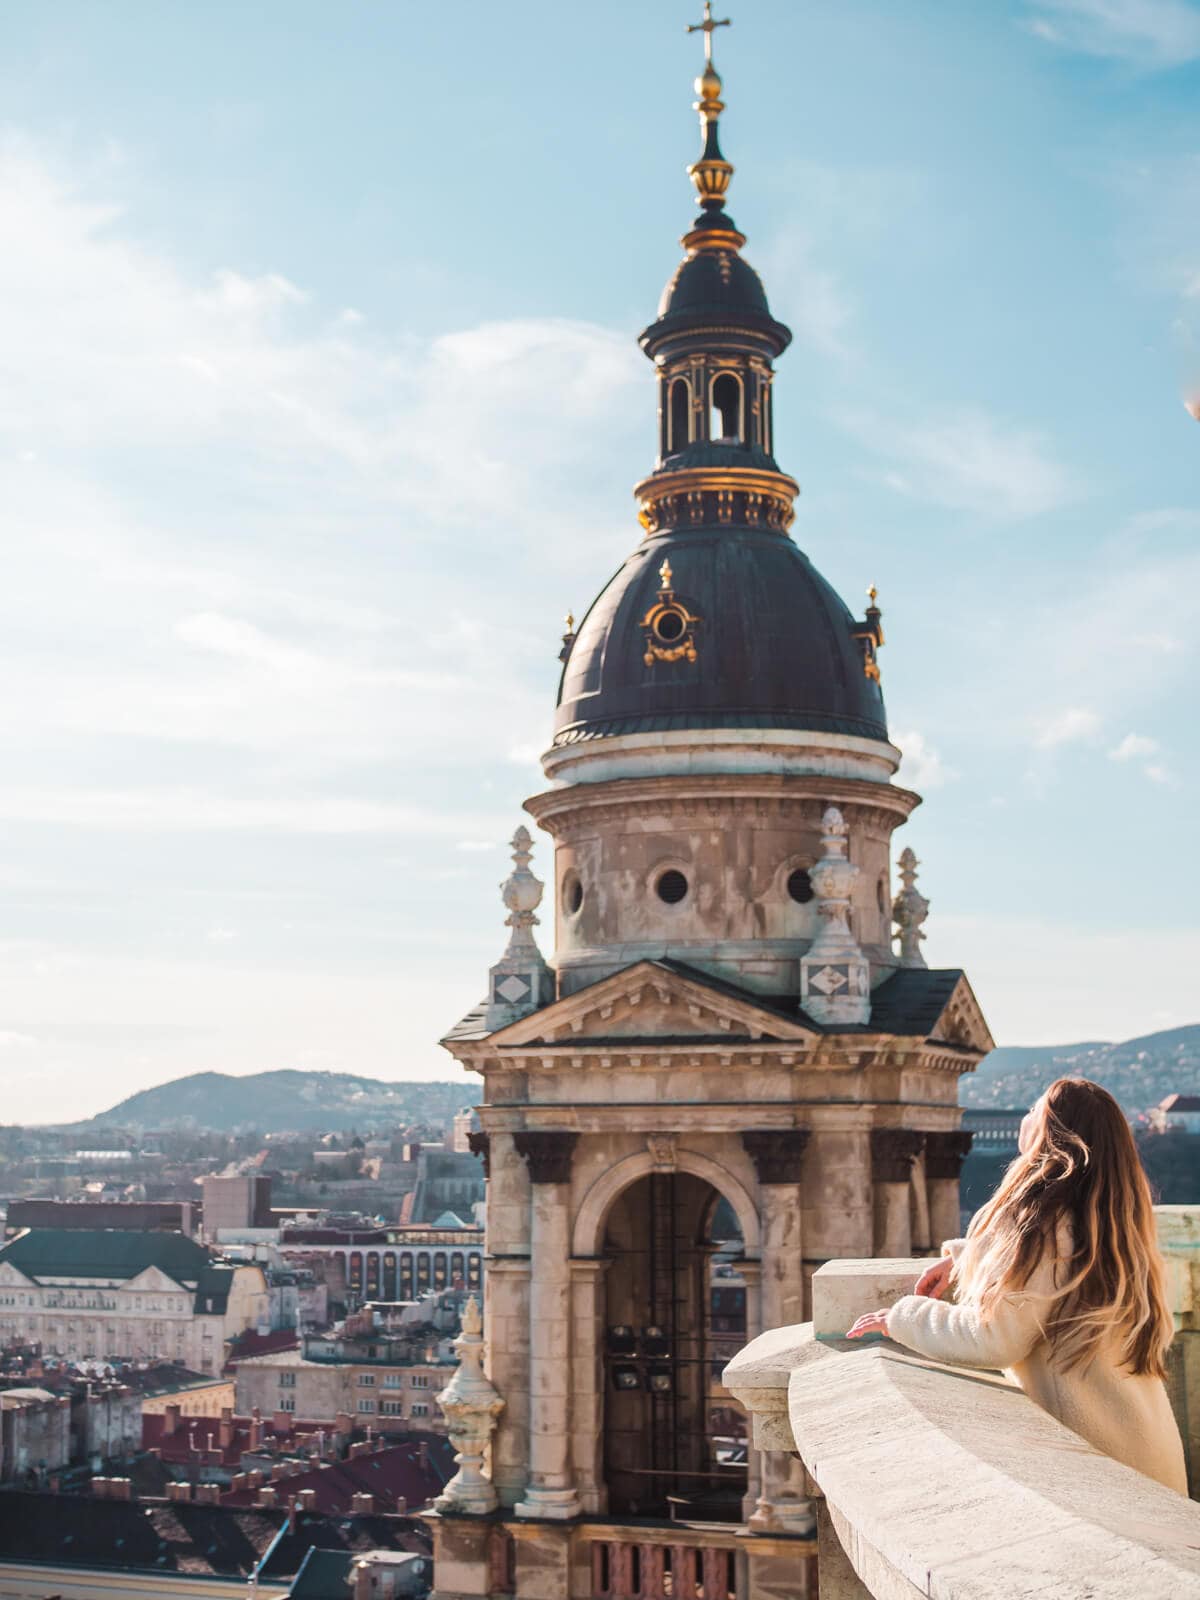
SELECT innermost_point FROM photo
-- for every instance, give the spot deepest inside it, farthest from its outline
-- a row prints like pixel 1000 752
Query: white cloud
pixel 1133 746
pixel 812 298
pixel 970 462
pixel 922 765
pixel 1152 33
pixel 1071 726
pixel 1157 773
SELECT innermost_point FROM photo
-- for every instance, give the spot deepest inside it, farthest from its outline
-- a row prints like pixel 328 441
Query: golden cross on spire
pixel 706 28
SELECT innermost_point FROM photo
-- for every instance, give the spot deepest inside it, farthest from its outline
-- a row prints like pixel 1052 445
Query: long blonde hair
pixel 1081 1169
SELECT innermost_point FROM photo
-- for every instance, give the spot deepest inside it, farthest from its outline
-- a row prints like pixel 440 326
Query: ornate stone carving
pixel 547 1153
pixel 893 1153
pixel 520 982
pixel 662 1151
pixel 471 1406
pixel 777 1153
pixel 480 1145
pixel 835 976
pixel 946 1152
pixel 909 910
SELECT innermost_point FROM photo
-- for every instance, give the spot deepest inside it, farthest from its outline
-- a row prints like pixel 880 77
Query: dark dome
pixel 716 279
pixel 715 286
pixel 775 646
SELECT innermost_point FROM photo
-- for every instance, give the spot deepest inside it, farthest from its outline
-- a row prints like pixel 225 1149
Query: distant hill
pixel 1139 1072
pixel 285 1102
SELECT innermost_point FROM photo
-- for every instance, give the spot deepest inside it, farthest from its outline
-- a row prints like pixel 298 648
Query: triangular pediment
pixel 11 1277
pixel 651 1000
pixel 962 1021
pixel 152 1280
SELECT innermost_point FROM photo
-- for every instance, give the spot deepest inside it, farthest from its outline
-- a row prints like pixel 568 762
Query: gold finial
pixel 707 28
pixel 711 172
pixel 569 619
pixel 872 594
pixel 665 573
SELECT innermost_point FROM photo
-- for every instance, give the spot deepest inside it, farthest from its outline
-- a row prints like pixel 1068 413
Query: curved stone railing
pixel 941 1482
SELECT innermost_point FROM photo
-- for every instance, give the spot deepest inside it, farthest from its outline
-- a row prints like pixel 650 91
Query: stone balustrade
pixel 942 1482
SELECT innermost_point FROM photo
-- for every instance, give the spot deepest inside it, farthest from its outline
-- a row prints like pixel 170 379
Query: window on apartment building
pixel 287 1380
pixel 419 1410
pixel 366 1405
pixel 392 1408
pixel 287 1402
pixel 419 1380
pixel 393 1380
pixel 366 1380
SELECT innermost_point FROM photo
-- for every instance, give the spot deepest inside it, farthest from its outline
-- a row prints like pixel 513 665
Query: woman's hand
pixel 935 1280
pixel 873 1322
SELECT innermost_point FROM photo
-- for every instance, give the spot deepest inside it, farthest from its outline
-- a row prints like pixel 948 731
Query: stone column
pixel 893 1154
pixel 506 1308
pixel 778 1157
pixel 944 1157
pixel 751 1272
pixel 550 1494
pixel 588 1322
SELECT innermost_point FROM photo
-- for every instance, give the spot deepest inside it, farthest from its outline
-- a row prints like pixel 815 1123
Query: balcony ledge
pixel 948 1483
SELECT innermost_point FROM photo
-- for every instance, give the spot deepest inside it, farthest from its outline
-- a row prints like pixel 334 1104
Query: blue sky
pixel 320 404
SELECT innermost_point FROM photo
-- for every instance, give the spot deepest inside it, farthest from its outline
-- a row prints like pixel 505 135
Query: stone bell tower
pixel 725 1075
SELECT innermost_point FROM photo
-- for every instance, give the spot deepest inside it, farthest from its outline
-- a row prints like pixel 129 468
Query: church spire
pixel 711 172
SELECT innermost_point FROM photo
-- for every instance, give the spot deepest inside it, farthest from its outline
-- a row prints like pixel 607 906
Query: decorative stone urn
pixel 470 1405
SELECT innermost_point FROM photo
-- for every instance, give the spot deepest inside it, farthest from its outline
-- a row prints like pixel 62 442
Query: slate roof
pixel 78 1531
pixel 80 1253
pixel 355 1535
pixel 777 646
pixel 200 1541
pixel 907 1003
pixel 327 1575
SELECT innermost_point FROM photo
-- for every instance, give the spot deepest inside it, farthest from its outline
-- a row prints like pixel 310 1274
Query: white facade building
pixel 105 1295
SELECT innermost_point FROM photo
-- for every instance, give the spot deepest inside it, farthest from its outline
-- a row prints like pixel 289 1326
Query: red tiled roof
pixel 176 1442
pixel 262 1344
pixel 414 1471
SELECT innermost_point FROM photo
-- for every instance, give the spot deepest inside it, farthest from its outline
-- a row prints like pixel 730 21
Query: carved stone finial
pixel 470 1405
pixel 909 910
pixel 568 638
pixel 835 976
pixel 521 981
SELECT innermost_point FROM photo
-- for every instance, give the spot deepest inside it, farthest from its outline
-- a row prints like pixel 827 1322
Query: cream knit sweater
pixel 1127 1417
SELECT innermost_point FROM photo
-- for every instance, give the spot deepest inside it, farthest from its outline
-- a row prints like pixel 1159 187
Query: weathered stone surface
pixel 948 1483
pixel 844 1290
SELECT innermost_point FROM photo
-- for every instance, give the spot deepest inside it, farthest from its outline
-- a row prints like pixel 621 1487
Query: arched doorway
pixel 672 1293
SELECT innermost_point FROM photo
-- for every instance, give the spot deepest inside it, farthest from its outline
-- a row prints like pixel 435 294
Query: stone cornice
pixel 863 1053
pixel 719 796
